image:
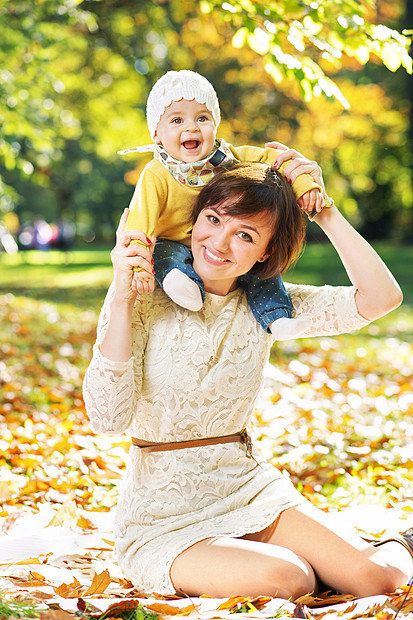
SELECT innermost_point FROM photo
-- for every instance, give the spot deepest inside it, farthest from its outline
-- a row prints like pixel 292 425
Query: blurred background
pixel 329 78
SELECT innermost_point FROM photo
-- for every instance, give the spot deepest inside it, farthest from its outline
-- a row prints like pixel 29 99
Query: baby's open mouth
pixel 191 144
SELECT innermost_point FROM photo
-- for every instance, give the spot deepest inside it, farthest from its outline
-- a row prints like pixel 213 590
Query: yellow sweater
pixel 162 206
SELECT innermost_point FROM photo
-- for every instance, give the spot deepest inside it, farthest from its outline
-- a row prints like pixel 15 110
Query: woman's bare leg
pixel 339 557
pixel 224 566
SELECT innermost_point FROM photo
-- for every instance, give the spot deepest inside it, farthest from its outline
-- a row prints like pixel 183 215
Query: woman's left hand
pixel 298 164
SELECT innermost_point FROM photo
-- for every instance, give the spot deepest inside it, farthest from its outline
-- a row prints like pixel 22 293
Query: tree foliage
pixel 74 77
pixel 297 38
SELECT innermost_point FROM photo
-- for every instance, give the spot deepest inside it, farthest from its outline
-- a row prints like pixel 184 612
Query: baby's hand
pixel 142 282
pixel 311 202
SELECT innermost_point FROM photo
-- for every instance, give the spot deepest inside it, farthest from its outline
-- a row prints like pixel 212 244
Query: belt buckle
pixel 246 440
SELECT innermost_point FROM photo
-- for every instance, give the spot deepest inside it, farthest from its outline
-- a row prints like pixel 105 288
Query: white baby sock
pixel 182 290
pixel 288 329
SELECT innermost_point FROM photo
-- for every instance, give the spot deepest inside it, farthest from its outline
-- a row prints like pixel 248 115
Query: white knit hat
pixel 177 85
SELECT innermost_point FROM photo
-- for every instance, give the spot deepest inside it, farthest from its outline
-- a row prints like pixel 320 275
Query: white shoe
pixel 182 290
pixel 288 329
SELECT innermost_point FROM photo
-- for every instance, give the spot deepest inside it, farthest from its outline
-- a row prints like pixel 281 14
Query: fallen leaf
pixel 66 515
pixel 99 583
pixel 118 609
pixel 302 611
pixel 71 590
pixel 85 523
pixel 32 580
pixel 55 614
pixel 233 601
pixel 171 610
pixel 323 599
pixel 83 606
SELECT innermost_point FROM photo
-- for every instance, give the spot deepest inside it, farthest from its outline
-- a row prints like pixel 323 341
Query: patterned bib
pixel 194 174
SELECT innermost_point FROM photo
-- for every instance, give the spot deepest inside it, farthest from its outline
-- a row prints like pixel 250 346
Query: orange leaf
pixel 85 523
pixel 171 610
pixel 99 583
pixel 27 581
pixel 69 590
pixel 37 576
pixel 259 601
pixel 37 560
pixel 233 601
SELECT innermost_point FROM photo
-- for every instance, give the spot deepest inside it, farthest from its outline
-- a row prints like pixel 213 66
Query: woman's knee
pixel 290 581
pixel 376 578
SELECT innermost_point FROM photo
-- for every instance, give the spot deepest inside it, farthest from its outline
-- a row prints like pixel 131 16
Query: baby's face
pixel 186 130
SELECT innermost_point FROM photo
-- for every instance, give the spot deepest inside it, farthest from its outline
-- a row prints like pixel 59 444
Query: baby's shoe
pixel 182 290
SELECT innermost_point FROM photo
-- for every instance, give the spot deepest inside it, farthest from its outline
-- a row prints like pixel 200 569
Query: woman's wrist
pixel 327 216
pixel 328 203
pixel 123 304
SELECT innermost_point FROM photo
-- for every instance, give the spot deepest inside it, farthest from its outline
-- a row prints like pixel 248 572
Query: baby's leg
pixel 270 304
pixel 175 274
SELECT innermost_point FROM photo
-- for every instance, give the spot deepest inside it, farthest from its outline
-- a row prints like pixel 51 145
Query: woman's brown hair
pixel 250 188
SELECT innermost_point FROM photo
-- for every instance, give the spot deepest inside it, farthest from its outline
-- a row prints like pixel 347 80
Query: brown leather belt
pixel 148 446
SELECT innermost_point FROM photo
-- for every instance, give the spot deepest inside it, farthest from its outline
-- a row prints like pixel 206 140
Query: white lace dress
pixel 195 375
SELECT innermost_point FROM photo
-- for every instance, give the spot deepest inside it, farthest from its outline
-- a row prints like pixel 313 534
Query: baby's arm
pixel 147 203
pixel 144 211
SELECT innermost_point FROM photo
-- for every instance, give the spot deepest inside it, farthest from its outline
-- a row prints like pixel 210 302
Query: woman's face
pixel 225 246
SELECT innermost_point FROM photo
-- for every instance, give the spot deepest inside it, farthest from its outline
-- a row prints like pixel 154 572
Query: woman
pixel 205 516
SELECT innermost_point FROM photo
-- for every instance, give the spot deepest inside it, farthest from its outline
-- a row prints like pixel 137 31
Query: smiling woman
pixel 199 511
pixel 239 223
pixel 260 198
pixel 226 247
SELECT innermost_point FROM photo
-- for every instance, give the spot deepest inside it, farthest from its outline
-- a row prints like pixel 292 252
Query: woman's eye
pixel 245 236
pixel 213 219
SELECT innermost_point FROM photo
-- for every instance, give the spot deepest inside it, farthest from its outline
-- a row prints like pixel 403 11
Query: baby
pixel 183 116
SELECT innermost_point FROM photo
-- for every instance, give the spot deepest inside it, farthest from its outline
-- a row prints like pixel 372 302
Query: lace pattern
pixel 170 500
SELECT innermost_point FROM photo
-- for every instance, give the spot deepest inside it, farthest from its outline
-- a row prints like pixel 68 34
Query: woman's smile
pixel 213 257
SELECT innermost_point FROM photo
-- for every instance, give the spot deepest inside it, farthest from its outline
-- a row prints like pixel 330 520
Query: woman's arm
pixel 116 344
pixel 113 379
pixel 377 291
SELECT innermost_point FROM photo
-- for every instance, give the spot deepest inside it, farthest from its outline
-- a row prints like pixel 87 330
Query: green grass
pixel 18 609
pixel 82 276
pixel 320 264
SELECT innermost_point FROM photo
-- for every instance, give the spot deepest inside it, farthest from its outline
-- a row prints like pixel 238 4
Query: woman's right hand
pixel 126 256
